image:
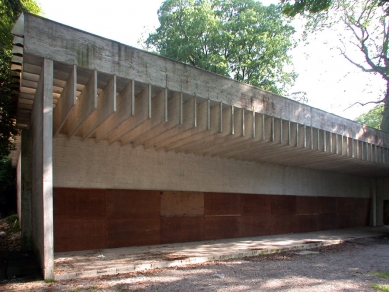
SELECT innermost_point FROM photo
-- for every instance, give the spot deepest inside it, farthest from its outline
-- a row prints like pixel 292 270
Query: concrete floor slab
pixel 91 263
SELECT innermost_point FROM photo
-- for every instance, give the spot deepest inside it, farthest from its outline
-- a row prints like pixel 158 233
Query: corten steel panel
pixel 182 229
pixel 346 220
pixel 179 204
pixel 346 205
pixel 282 205
pixel 326 205
pixel 255 204
pixel 221 204
pixel 73 244
pixel 133 204
pixel 78 234
pixel 307 223
pixel 131 232
pixel 284 223
pixel 306 205
pixel 328 221
pixel 79 203
pixel 255 225
pixel 218 227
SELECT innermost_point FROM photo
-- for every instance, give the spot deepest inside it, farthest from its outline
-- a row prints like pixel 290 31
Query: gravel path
pixel 352 266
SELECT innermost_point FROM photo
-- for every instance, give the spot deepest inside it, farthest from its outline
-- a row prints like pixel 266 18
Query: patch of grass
pixel 49 281
pixel 13 223
pixel 383 288
pixel 382 275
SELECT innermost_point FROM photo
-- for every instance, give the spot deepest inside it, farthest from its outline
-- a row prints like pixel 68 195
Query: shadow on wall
pixel 386 212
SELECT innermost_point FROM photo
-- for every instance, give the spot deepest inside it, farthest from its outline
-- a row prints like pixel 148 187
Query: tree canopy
pixel 367 23
pixel 241 39
pixel 9 12
pixel 373 117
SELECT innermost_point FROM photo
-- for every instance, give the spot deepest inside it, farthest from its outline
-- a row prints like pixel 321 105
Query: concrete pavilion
pixel 121 147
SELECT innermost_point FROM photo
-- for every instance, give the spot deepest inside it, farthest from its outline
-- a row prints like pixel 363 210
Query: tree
pixel 367 22
pixel 241 39
pixel 373 117
pixel 9 12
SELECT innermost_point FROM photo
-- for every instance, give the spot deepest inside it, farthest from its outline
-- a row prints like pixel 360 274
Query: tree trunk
pixel 385 114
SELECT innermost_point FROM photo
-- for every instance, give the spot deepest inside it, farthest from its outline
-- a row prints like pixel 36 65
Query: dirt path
pixel 351 266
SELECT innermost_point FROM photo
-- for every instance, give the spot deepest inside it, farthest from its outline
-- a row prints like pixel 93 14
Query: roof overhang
pixel 105 90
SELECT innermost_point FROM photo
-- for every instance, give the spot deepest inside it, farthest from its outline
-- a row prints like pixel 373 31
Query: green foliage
pixel 9 12
pixel 302 6
pixel 382 275
pixel 373 117
pixel 379 287
pixel 7 187
pixel 238 38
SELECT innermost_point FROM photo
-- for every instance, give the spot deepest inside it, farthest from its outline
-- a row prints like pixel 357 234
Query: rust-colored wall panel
pixel 346 205
pixel 306 205
pixel 284 223
pixel 79 203
pixel 282 205
pixel 217 227
pixel 221 204
pixel 133 204
pixel 326 205
pixel 130 232
pixel 75 243
pixel 78 234
pixel 307 223
pixel 255 225
pixel 346 220
pixel 182 229
pixel 255 204
pixel 180 204
pixel 328 221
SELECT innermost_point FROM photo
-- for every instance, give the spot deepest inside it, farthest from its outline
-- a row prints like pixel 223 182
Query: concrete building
pixel 121 147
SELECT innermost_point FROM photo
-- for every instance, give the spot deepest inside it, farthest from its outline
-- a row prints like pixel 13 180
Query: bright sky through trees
pixel 331 82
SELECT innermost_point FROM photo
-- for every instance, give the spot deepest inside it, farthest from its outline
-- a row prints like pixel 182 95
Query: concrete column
pixel 26 189
pixel 373 207
pixel 42 174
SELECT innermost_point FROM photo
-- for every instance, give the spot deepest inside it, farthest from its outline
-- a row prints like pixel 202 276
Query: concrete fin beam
pixel 159 115
pixel 125 108
pixel 174 110
pixel 184 130
pixel 86 104
pixel 142 113
pixel 106 106
pixel 185 123
pixel 66 102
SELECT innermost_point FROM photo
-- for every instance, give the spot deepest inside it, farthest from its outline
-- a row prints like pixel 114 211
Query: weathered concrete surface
pixel 42 178
pixel 93 263
pixel 48 39
pixel 88 164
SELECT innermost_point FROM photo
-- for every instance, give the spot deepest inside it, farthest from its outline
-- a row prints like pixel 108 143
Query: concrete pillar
pixel 373 207
pixel 26 189
pixel 42 171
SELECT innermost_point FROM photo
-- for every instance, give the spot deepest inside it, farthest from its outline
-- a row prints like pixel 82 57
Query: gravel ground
pixel 352 266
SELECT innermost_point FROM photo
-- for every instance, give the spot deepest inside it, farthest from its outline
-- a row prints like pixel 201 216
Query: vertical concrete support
pixel 373 207
pixel 42 176
pixel 382 194
pixel 25 214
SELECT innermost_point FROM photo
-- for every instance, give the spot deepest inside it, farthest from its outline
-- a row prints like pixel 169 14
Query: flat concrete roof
pixel 105 90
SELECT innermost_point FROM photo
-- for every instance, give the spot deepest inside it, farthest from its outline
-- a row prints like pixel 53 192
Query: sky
pixel 331 82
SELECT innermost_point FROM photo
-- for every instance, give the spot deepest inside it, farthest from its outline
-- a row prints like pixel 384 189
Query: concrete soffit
pixel 103 90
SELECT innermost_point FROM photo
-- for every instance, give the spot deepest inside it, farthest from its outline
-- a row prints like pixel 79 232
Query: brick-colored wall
pixel 96 218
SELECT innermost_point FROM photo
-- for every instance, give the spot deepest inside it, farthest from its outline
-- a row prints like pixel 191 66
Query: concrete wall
pixel 88 164
pixel 382 193
pixel 42 186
